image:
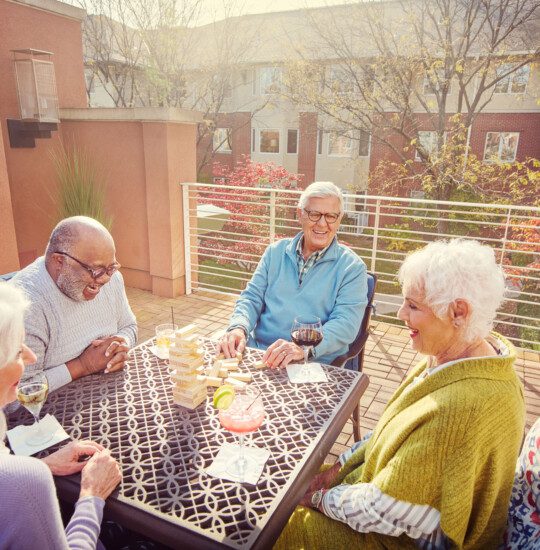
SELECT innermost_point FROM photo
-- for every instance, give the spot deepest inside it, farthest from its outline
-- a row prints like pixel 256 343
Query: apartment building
pixel 255 118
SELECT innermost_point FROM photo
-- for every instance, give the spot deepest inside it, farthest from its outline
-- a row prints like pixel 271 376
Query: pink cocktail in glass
pixel 245 415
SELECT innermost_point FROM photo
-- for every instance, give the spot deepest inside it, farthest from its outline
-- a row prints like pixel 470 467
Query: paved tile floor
pixel 387 359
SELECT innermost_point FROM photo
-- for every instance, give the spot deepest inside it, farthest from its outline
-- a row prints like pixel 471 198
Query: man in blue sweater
pixel 310 274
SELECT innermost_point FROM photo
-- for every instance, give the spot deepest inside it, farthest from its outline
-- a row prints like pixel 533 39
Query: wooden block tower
pixel 186 360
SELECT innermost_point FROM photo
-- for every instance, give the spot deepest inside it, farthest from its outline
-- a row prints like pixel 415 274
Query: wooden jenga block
pixel 242 376
pixel 239 356
pixel 189 403
pixel 223 373
pixel 214 381
pixel 259 365
pixel 234 382
pixel 214 369
pixel 185 331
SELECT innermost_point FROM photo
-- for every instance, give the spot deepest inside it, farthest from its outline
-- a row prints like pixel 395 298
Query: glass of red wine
pixel 306 331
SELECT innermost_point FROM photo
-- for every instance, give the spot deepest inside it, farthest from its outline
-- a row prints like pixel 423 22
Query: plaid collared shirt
pixel 305 265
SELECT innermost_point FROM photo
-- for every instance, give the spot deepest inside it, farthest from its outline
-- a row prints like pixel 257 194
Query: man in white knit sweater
pixel 79 321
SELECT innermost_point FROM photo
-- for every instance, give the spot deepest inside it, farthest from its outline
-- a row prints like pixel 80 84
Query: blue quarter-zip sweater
pixel 334 289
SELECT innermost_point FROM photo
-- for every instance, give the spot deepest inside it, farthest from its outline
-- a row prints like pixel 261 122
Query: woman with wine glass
pixel 29 511
pixel 437 471
pixel 311 274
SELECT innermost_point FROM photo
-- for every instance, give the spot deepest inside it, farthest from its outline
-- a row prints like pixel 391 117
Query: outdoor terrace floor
pixel 387 358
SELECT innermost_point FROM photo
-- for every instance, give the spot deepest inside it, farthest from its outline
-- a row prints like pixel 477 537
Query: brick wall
pixel 240 125
pixel 527 124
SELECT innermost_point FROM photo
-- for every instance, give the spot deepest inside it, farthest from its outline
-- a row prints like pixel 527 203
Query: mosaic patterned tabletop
pixel 164 448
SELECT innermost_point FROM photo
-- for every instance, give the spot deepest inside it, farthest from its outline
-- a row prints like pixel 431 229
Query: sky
pixel 213 9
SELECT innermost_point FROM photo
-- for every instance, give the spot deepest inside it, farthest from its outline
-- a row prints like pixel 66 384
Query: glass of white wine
pixel 32 392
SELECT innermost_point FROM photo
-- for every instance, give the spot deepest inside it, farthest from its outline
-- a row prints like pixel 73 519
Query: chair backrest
pixel 357 346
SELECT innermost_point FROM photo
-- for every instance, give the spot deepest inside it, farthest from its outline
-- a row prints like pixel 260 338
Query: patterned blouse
pixel 523 530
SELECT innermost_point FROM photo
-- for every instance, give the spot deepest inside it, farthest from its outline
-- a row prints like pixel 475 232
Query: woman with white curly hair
pixel 437 470
pixel 29 510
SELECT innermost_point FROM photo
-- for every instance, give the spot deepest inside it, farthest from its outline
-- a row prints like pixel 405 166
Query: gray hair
pixel 320 189
pixel 13 305
pixel 457 269
pixel 68 232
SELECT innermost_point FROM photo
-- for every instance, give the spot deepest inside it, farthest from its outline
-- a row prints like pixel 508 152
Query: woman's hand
pixel 281 353
pixel 67 460
pixel 323 480
pixel 100 475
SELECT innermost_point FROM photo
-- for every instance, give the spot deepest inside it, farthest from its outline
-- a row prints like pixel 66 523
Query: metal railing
pixel 223 250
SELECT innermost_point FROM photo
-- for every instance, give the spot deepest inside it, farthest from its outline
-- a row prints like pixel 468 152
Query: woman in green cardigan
pixel 437 470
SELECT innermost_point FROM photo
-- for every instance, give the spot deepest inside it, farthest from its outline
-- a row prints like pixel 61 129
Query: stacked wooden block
pixel 186 360
pixel 227 371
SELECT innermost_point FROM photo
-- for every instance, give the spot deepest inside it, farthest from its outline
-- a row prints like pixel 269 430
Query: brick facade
pixel 240 125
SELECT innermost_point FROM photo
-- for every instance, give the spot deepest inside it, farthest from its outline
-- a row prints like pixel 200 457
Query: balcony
pixel 219 264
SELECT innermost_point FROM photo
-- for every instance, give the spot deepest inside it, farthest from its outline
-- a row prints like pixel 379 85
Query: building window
pixel 364 142
pixel 320 135
pixel 270 80
pixel 269 141
pixel 222 140
pixel 253 134
pixel 428 141
pixel 339 81
pixel 513 83
pixel 432 83
pixel 292 142
pixel 339 145
pixel 501 146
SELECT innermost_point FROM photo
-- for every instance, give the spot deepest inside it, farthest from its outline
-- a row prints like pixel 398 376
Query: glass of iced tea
pixel 165 336
pixel 32 392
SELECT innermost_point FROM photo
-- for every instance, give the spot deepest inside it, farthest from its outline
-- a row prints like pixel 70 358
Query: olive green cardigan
pixel 450 442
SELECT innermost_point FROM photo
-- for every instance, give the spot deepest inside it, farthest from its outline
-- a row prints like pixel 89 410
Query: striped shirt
pixel 59 329
pixel 365 508
pixel 305 265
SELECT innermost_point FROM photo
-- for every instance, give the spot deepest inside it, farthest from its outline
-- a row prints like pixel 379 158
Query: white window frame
pixel 368 147
pixel 501 142
pixel 509 79
pixel 277 71
pixel 434 145
pixel 333 74
pixel 427 88
pixel 222 140
pixel 334 135
pixel 279 141
pixel 254 82
pixel 297 140
pixel 319 146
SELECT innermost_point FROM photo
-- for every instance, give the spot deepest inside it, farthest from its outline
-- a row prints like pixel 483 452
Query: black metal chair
pixel 356 349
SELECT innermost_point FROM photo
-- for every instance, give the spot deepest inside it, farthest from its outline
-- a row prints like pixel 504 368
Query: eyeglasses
pixel 315 216
pixel 95 273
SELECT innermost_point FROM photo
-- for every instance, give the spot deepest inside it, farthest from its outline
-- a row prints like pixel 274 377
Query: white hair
pixel 13 305
pixel 320 189
pixel 446 271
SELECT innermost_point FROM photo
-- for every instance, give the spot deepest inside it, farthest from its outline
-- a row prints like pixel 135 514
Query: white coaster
pixel 17 436
pixel 313 373
pixel 256 459
pixel 160 353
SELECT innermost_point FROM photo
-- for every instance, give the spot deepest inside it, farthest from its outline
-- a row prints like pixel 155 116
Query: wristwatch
pixel 316 498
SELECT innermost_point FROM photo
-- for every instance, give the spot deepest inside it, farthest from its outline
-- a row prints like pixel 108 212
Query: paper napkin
pixel 18 436
pixel 256 459
pixel 313 373
pixel 160 353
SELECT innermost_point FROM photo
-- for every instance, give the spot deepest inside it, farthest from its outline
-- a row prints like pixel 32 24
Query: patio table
pixel 163 449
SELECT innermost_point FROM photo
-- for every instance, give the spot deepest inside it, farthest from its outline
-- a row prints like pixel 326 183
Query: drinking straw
pixel 172 315
pixel 254 399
